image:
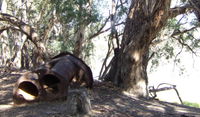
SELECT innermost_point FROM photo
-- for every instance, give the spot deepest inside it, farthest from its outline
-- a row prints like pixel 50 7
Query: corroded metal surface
pixel 51 80
pixel 27 89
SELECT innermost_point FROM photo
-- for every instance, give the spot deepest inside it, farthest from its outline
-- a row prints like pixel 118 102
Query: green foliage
pixel 121 12
pixel 192 104
pixel 171 42
pixel 75 11
pixel 57 23
pixel 66 16
pixel 72 14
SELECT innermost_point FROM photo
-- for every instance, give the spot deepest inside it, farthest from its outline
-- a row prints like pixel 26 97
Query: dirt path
pixel 106 100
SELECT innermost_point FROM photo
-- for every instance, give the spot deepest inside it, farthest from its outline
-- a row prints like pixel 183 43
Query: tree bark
pixel 196 6
pixel 79 41
pixel 145 20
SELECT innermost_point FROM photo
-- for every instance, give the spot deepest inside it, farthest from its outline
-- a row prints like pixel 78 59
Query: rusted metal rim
pixel 54 86
pixel 50 83
pixel 27 89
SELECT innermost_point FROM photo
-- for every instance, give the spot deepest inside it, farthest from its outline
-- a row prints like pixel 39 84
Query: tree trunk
pixel 5 49
pixel 132 74
pixel 144 22
pixel 25 57
pixel 79 41
pixel 196 6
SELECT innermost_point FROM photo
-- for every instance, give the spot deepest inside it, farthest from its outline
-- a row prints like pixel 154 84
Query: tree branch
pixel 17 24
pixel 3 28
pixel 196 6
pixel 173 12
pixel 14 23
pixel 178 32
pixel 100 30
pixel 180 40
pixel 105 61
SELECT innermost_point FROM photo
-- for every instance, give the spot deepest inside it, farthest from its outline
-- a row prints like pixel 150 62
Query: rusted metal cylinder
pixel 84 77
pixel 27 89
pixel 56 81
pixel 51 80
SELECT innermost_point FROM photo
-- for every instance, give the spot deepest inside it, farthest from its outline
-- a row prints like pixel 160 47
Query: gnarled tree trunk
pixel 145 20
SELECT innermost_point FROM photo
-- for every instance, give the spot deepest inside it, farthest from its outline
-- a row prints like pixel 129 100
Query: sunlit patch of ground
pixel 4 107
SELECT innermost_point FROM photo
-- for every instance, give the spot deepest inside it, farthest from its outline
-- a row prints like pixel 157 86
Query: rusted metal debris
pixel 153 91
pixel 51 81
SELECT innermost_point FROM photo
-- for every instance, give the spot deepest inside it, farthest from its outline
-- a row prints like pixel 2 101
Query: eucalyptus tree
pixel 50 26
pixel 145 20
pixel 76 16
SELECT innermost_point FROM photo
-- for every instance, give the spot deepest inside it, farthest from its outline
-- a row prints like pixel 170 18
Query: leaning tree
pixel 146 18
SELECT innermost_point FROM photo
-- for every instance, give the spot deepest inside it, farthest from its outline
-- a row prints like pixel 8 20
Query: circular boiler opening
pixel 28 90
pixel 51 83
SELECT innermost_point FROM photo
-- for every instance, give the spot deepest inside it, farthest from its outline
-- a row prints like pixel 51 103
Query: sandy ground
pixel 106 100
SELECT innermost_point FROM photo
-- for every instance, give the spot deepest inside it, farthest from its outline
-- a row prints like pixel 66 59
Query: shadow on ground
pixel 112 102
pixel 106 99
